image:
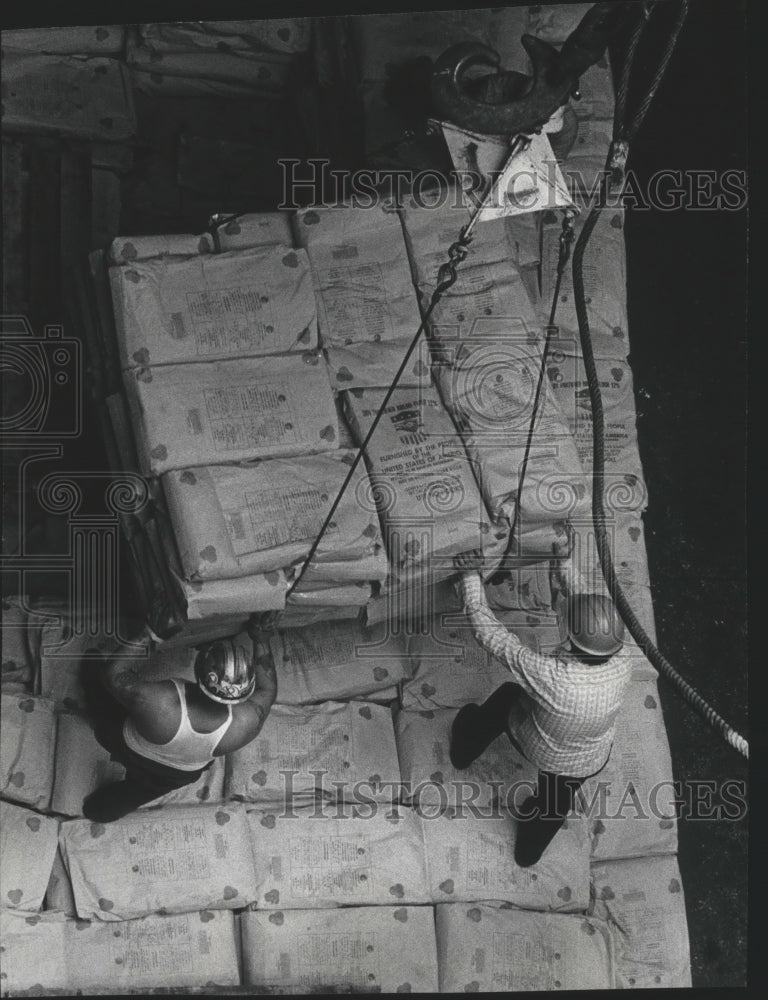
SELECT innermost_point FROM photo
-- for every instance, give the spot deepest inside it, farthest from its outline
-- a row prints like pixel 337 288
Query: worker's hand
pixel 468 562
pixel 263 621
pixel 562 547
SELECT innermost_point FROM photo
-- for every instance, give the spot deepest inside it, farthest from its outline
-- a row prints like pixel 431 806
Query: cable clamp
pixel 617 162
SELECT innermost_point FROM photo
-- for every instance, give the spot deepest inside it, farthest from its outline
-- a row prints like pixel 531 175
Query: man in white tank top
pixel 166 733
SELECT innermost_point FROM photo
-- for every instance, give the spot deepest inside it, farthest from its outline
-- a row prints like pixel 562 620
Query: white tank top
pixel 187 750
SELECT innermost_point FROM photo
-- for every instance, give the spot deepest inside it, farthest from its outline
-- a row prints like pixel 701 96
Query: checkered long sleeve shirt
pixel 565 722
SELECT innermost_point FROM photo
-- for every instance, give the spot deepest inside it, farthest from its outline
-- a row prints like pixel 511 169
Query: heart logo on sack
pixel 397 890
pixel 141 356
pixel 15 896
pixel 222 818
pixel 277 918
pixel 564 894
pixel 203 793
pixel 268 822
pixel 587 927
pixel 229 892
pixel 33 823
pixel 634 533
pixel 401 915
pixel 650 701
pixel 259 778
pixel 380 673
pixel 475 915
pixel 328 433
pixel 206 916
pixel 364 712
pixel 273 896
pixel 160 452
pixel 674 885
pixel 27 705
pixel 447 886
pixel 607 893
pixel 105 904
pixel 344 374
pixel 291 260
pixel 188 477
pixel 17 779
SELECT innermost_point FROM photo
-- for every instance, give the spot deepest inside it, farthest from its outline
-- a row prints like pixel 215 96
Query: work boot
pixel 546 812
pixel 475 727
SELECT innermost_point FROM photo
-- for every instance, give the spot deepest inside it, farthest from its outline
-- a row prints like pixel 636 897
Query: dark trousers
pixel 145 779
pixel 541 814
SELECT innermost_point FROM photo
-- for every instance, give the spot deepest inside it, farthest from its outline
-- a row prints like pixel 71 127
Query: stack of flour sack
pixel 255 358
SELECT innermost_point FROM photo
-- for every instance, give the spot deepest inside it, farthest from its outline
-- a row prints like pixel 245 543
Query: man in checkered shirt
pixel 559 711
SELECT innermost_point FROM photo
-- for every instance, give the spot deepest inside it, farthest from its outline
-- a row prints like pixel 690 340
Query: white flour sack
pixel 27 745
pixel 28 844
pixel 328 749
pixel 308 858
pixel 471 856
pixel 489 383
pixel 64 956
pixel 482 950
pixel 252 230
pixel 228 411
pixel 389 949
pixel 175 860
pixel 228 599
pixel 489 285
pixel 643 904
pixel 631 802
pixel 336 659
pixel 128 249
pixel 206 307
pixel 604 269
pixel 232 520
pixel 361 273
pixel 624 488
pixel 423 486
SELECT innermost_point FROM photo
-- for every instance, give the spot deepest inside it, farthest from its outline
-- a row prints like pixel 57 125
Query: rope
pixel 621 135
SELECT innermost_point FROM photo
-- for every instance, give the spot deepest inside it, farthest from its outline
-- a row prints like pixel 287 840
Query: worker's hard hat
pixel 224 671
pixel 594 625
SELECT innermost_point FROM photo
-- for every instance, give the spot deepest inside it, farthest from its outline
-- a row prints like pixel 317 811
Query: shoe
pixel 534 835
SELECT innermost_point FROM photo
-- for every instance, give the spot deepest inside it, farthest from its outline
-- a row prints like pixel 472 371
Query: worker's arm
pixel 565 576
pixel 263 697
pixel 124 678
pixel 487 629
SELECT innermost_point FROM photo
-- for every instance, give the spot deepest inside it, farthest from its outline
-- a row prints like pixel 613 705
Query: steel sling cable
pixel 566 238
pixel 614 167
pixel 446 277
